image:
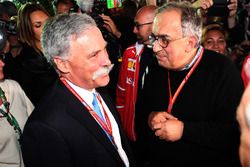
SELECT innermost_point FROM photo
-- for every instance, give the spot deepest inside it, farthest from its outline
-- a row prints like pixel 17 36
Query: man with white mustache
pixel 75 124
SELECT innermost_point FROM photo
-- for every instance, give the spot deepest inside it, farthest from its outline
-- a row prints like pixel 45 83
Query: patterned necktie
pixel 96 107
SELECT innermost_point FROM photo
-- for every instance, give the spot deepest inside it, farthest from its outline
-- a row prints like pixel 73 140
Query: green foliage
pixel 47 4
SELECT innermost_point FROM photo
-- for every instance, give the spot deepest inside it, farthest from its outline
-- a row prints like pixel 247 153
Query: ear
pixel 61 64
pixel 191 43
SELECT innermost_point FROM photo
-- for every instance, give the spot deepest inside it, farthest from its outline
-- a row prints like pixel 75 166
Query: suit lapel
pixel 80 113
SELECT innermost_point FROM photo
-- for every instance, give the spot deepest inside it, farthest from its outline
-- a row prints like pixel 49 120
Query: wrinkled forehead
pixel 167 22
pixel 90 40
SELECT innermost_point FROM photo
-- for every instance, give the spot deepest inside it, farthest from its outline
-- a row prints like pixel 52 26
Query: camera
pixel 6 27
pixel 99 21
pixel 100 7
pixel 219 9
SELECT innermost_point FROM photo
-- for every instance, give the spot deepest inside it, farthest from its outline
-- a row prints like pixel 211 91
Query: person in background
pixel 243 117
pixel 76 123
pixel 15 49
pixel 33 72
pixel 214 37
pixel 190 97
pixel 15 107
pixel 124 20
pixel 134 68
pixel 64 6
pixel 9 9
pixel 8 15
pixel 225 14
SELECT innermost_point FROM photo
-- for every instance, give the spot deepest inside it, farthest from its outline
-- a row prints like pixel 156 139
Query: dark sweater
pixel 34 73
pixel 206 105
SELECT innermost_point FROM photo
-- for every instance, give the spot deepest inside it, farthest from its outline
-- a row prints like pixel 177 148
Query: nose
pixel 105 58
pixel 156 46
pixel 216 45
pixel 135 30
pixel 1 63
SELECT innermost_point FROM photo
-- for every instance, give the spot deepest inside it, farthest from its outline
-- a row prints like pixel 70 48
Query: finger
pixel 208 4
pixel 211 2
pixel 159 133
pixel 168 116
pixel 156 126
pixel 155 117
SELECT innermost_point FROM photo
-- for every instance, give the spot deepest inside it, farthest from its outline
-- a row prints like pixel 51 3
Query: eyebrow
pixel 161 35
pixel 213 38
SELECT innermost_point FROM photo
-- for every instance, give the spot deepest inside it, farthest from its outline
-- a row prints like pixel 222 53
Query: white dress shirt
pixel 87 96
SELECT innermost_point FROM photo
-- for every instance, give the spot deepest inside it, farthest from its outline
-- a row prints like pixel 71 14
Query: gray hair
pixel 85 5
pixel 191 22
pixel 58 30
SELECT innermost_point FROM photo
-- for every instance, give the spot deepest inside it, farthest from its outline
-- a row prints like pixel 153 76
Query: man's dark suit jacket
pixel 62 133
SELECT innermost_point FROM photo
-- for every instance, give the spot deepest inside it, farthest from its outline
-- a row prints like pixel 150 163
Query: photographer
pixel 15 49
pixel 222 12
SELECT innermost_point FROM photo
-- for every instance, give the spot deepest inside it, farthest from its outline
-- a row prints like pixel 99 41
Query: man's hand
pixel 170 130
pixel 110 25
pixel 232 13
pixel 166 126
pixel 203 4
pixel 158 117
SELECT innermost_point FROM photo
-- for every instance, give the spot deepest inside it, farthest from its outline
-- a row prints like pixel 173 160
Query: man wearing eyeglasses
pixel 133 69
pixel 190 97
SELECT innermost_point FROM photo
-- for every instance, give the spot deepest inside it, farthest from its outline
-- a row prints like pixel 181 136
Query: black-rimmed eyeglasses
pixel 138 26
pixel 163 40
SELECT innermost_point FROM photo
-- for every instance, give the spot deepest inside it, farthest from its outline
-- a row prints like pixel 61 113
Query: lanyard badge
pixel 5 113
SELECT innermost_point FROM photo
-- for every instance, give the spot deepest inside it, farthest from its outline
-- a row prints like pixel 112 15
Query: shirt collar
pixel 85 94
pixel 198 54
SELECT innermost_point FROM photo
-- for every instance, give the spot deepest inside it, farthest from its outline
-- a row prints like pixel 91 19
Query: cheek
pixel 223 45
pixel 208 46
pixel 90 69
pixel 37 32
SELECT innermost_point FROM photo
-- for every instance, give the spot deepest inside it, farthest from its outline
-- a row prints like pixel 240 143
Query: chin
pixel 102 81
pixel 1 76
pixel 163 64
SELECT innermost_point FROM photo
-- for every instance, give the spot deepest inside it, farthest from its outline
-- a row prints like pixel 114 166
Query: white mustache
pixel 102 71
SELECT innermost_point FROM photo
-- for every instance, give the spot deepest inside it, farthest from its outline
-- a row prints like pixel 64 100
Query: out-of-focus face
pixel 167 25
pixel 88 55
pixel 38 19
pixel 63 8
pixel 13 39
pixel 143 27
pixel 215 41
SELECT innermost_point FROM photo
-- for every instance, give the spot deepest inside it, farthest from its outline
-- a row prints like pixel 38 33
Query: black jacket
pixel 61 132
pixel 33 73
